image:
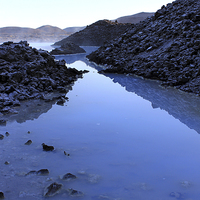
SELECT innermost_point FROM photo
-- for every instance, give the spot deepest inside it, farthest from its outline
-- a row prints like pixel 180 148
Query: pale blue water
pixel 127 138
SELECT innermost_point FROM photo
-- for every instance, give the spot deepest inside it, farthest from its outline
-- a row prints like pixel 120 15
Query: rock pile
pixel 165 47
pixel 28 73
pixel 96 34
pixel 67 48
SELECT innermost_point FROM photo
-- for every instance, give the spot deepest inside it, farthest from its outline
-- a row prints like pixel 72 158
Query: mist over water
pixel 127 138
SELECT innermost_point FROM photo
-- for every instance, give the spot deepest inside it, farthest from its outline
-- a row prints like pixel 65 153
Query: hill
pixel 136 18
pixel 42 34
pixel 71 30
pixel 163 47
pixel 96 34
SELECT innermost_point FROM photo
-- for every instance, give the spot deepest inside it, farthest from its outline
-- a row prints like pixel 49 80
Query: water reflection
pixel 182 106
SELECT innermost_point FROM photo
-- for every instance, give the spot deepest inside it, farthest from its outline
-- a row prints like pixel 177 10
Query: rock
pixel 96 34
pixel 6 163
pixel 67 154
pixel 1 137
pixel 39 172
pixel 61 101
pixel 2 195
pixel 52 189
pixel 67 48
pixel 186 184
pixel 28 142
pixel 27 73
pixel 73 192
pixel 7 134
pixel 3 122
pixel 177 195
pixel 68 177
pixel 42 172
pixel 47 148
pixel 164 47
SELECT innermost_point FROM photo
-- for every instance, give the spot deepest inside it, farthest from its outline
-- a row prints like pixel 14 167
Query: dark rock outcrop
pixel 28 73
pixel 67 48
pixel 165 47
pixel 96 34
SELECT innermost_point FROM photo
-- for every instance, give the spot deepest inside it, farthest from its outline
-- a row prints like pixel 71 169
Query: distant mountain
pixel 96 34
pixel 51 29
pixel 42 34
pixel 133 19
pixel 71 30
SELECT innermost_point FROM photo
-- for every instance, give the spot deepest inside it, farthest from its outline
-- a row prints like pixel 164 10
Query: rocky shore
pixel 165 47
pixel 27 73
pixel 96 34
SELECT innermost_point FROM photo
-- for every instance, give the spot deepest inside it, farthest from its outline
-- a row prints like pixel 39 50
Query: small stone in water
pixel 28 142
pixel 177 195
pixel 1 137
pixel 67 154
pixel 31 172
pixel 7 134
pixel 185 184
pixel 47 148
pixel 6 163
pixel 73 192
pixel 52 189
pixel 43 172
pixel 1 195
pixel 68 176
pixel 28 132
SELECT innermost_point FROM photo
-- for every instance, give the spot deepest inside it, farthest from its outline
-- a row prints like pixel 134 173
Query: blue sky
pixel 67 13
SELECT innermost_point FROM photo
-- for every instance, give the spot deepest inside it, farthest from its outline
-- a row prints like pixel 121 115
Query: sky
pixel 69 13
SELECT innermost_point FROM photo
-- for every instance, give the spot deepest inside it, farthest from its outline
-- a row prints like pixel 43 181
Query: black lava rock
pixel 28 73
pixel 164 47
pixel 47 148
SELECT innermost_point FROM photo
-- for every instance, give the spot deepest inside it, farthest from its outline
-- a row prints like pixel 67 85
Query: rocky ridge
pixel 165 47
pixel 28 73
pixel 96 34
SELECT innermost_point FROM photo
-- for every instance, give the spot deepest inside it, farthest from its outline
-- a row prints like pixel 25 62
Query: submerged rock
pixel 73 192
pixel 52 189
pixel 68 177
pixel 47 148
pixel 177 195
pixel 28 142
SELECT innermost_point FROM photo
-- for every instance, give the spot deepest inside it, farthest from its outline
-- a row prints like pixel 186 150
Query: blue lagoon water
pixel 128 138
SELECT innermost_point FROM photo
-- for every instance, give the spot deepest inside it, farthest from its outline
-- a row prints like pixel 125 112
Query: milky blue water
pixel 127 138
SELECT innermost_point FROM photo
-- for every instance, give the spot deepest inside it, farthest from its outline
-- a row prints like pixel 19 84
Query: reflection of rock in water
pixel 183 106
pixel 32 109
pixel 75 57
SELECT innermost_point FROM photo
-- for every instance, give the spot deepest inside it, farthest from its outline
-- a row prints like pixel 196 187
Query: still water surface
pixel 128 138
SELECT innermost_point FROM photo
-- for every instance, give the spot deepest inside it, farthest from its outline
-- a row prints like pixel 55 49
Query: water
pixel 128 138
